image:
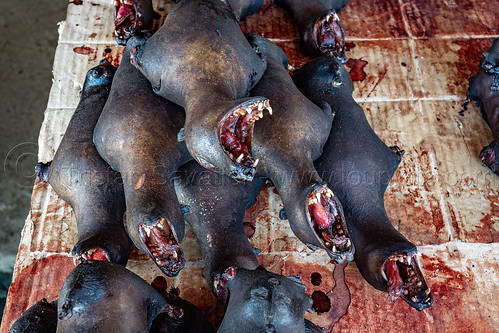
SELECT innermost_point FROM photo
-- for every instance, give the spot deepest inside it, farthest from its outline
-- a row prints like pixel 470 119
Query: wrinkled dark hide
pixel 84 180
pixel 358 166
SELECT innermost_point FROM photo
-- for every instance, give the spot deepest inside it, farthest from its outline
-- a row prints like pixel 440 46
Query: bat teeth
pixel 255 163
pixel 256 117
pixel 419 283
pixel 291 68
pixel 336 17
pixel 348 242
pixel 427 291
pixel 215 284
pixel 174 254
pixel 260 114
pixel 414 299
pixel 148 231
pixel 269 109
pixel 249 110
pixel 235 113
pixel 241 112
pixel 240 158
pixel 75 261
pixel 409 260
pixel 333 248
pixel 260 106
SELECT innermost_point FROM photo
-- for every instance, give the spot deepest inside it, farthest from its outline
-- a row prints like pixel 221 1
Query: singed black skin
pixel 306 14
pixel 484 88
pixel 100 296
pixel 245 8
pixel 137 134
pixel 200 60
pixel 41 317
pixel 146 13
pixel 290 140
pixel 358 166
pixel 215 206
pixel 85 181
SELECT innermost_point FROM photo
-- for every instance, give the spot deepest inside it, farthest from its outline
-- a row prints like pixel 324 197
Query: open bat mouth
pixel 329 35
pixel 127 19
pixel 162 246
pixel 236 133
pixel 490 157
pixel 91 254
pixel 405 280
pixel 328 222
pixel 220 281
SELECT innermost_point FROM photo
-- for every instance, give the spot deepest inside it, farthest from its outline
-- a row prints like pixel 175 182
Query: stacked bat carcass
pixel 188 128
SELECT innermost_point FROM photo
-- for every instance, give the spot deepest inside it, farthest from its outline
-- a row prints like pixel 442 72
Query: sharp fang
pixel 334 248
pixel 215 284
pixel 255 163
pixel 240 158
pixel 260 114
pixel 409 260
pixel 348 243
pixel 269 109
pixel 260 106
pixel 148 231
pixel 318 197
pixel 248 110
pixel 241 112
pixel 75 261
pixel 256 117
pixel 336 17
pixel 175 255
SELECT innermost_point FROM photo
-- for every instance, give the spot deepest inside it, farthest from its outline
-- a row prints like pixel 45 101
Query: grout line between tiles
pixel 112 43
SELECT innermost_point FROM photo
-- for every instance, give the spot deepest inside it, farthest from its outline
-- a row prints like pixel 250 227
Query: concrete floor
pixel 28 38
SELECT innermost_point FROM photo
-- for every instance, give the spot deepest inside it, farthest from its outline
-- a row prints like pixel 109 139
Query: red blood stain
pixel 322 303
pixel 316 279
pixel 41 279
pixel 340 297
pixel 159 283
pixel 83 50
pixel 486 229
pixel 357 69
pixel 76 2
pixel 349 46
pixel 457 295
